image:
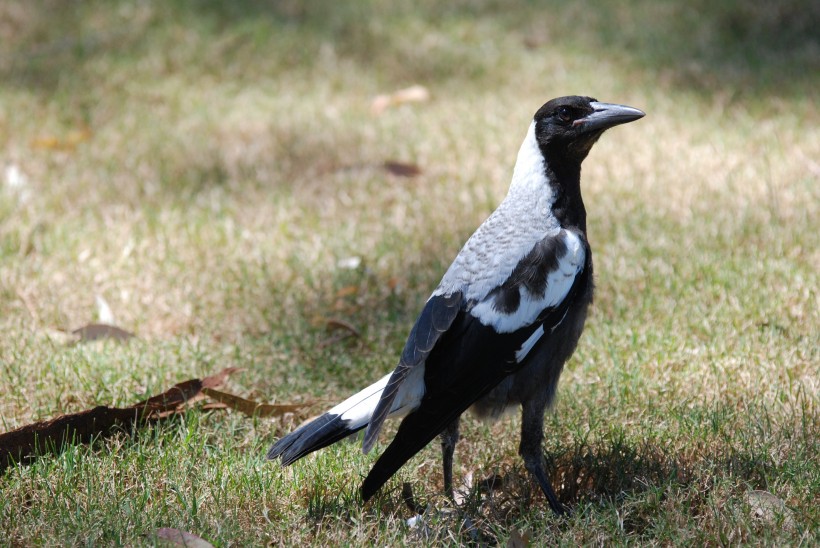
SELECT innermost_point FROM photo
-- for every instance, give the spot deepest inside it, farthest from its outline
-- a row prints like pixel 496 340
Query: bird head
pixel 567 127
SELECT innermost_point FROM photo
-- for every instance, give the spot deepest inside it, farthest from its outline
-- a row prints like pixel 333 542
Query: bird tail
pixel 345 419
pixel 416 431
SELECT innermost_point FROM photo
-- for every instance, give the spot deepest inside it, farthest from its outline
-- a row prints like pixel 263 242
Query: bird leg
pixel 449 438
pixel 532 434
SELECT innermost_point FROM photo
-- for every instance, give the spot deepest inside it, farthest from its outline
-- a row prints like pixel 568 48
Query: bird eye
pixel 565 114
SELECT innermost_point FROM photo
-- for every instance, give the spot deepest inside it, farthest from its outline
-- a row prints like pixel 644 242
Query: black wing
pixel 468 361
pixel 435 319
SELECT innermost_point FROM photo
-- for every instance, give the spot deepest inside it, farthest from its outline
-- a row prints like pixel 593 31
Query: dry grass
pixel 204 166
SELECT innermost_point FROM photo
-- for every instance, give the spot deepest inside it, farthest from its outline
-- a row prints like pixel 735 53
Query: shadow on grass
pixel 639 481
pixel 621 470
pixel 751 48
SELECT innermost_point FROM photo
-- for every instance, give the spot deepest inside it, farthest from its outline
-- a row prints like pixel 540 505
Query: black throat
pixel 564 175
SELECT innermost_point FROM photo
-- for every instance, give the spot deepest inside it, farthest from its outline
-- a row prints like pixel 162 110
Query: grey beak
pixel 607 115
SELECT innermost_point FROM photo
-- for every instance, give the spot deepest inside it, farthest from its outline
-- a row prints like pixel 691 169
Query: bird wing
pixel 483 342
pixel 435 319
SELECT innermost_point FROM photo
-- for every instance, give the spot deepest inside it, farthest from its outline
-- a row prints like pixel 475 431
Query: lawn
pixel 214 171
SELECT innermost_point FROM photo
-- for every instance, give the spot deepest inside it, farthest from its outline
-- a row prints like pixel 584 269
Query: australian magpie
pixel 506 316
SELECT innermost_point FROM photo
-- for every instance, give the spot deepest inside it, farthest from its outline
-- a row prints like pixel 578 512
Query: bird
pixel 508 313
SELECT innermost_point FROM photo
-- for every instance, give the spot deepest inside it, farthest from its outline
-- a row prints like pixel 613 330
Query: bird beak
pixel 607 115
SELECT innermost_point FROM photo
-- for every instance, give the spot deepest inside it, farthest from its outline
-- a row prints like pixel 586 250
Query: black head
pixel 567 127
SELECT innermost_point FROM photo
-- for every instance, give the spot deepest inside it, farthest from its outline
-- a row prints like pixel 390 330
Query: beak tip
pixel 607 115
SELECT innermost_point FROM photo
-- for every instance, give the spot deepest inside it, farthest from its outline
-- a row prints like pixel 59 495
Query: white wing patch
pixel 559 282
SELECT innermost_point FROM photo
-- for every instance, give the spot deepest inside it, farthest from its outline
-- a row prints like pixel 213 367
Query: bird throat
pixel 565 180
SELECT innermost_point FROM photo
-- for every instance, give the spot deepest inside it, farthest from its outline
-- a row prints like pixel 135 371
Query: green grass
pixel 204 165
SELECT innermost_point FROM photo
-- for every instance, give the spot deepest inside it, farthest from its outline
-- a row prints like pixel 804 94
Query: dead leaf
pixel 335 323
pixel 66 144
pixel 348 331
pixel 181 538
pixel 393 283
pixel 413 94
pixel 214 405
pixel 98 331
pixel 402 169
pixel 27 443
pixel 255 409
pixel 347 291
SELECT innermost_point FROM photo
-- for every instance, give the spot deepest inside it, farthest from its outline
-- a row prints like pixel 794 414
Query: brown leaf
pixel 346 327
pixel 335 323
pixel 255 409
pixel 347 291
pixel 181 538
pixel 24 444
pixel 67 143
pixel 413 94
pixel 99 331
pixel 218 379
pixel 402 169
pixel 214 405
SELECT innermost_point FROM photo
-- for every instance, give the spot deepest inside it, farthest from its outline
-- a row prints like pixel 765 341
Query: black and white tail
pixel 345 419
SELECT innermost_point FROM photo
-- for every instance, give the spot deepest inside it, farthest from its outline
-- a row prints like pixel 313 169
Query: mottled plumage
pixel 506 316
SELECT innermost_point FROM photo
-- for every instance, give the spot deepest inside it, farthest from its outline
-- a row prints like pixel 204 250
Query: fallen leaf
pixel 255 409
pixel 347 328
pixel 393 283
pixel 402 169
pixel 98 331
pixel 67 143
pixel 181 538
pixel 214 405
pixel 25 444
pixel 347 291
pixel 335 323
pixel 413 94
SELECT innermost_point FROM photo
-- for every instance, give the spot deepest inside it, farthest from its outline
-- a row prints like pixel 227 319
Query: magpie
pixel 506 316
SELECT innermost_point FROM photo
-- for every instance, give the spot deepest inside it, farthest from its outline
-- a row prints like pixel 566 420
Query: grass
pixel 204 166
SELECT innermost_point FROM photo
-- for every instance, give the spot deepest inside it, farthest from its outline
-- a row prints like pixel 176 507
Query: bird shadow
pixel 642 478
pixel 637 480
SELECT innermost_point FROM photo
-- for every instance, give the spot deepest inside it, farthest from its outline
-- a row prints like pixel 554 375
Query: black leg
pixel 449 438
pixel 532 434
